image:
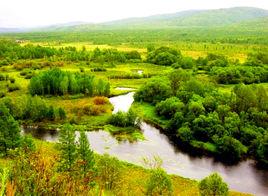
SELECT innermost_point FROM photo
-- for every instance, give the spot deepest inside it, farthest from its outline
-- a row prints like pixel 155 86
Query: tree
pixel 245 98
pixel 213 185
pixel 185 134
pixel 230 149
pixel 86 156
pixel 176 78
pixel 155 90
pixel 67 148
pixel 9 131
pixel 159 183
pixel 169 107
pixel 262 151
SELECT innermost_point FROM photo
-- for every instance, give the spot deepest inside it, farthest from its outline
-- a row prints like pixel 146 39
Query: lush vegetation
pixel 206 87
pixel 229 125
pixel 57 82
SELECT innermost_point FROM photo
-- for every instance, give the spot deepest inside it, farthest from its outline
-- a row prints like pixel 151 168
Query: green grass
pixel 147 113
pixel 125 133
pixel 133 177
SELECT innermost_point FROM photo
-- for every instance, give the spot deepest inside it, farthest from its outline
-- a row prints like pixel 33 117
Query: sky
pixel 36 13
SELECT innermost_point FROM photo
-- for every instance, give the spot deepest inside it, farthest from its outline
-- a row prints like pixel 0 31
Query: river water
pixel 243 177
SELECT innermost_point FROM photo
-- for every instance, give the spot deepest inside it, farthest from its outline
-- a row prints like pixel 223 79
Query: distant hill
pixel 237 17
pixel 195 18
pixel 260 24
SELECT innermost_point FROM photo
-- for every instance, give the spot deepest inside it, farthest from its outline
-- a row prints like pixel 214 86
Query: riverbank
pixel 133 176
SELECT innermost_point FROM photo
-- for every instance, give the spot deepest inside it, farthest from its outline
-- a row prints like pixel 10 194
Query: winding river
pixel 242 177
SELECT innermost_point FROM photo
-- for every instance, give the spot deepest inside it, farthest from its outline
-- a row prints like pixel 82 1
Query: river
pixel 243 177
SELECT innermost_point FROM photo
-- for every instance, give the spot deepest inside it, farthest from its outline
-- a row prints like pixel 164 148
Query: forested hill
pixel 185 19
pixel 256 17
pixel 195 18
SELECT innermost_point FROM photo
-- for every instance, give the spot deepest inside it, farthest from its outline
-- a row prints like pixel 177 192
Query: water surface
pixel 242 177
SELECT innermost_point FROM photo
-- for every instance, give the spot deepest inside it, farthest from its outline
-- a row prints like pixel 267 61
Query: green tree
pixel 213 185
pixel 9 131
pixel 159 183
pixel 68 148
pixel 176 78
pixel 155 90
pixel 169 107
pixel 262 151
pixel 86 156
pixel 230 149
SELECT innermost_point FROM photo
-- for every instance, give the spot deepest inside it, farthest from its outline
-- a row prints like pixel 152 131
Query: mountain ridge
pixel 183 19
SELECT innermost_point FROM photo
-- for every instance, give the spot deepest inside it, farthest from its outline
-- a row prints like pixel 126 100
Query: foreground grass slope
pixel 132 178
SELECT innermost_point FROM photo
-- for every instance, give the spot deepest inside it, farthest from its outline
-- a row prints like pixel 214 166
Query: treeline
pixel 10 52
pixel 33 109
pixel 145 35
pixel 58 82
pixel 224 71
pixel 229 125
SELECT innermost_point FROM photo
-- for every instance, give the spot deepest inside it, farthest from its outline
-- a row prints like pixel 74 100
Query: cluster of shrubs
pixel 228 125
pixel 33 108
pixel 254 70
pixel 124 119
pixel 10 84
pixel 14 51
pixel 98 106
pixel 130 76
pixel 27 74
pixel 58 82
pixel 98 69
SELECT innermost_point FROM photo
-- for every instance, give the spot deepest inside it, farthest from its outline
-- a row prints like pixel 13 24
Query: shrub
pixel 159 183
pixel 2 77
pixel 124 119
pixel 13 87
pixel 12 80
pixel 154 91
pixel 109 171
pixel 98 69
pixel 62 114
pixel 100 100
pixel 169 107
pixel 2 94
pixel 213 185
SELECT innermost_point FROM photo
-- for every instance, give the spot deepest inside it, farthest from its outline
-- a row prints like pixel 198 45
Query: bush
pixel 110 171
pixel 12 80
pixel 163 56
pixel 2 94
pixel 98 69
pixel 100 100
pixel 13 87
pixel 124 119
pixel 62 114
pixel 213 185
pixel 169 107
pixel 154 91
pixel 230 149
pixel 159 183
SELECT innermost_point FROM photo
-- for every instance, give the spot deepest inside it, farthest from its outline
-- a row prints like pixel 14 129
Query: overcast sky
pixel 29 13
